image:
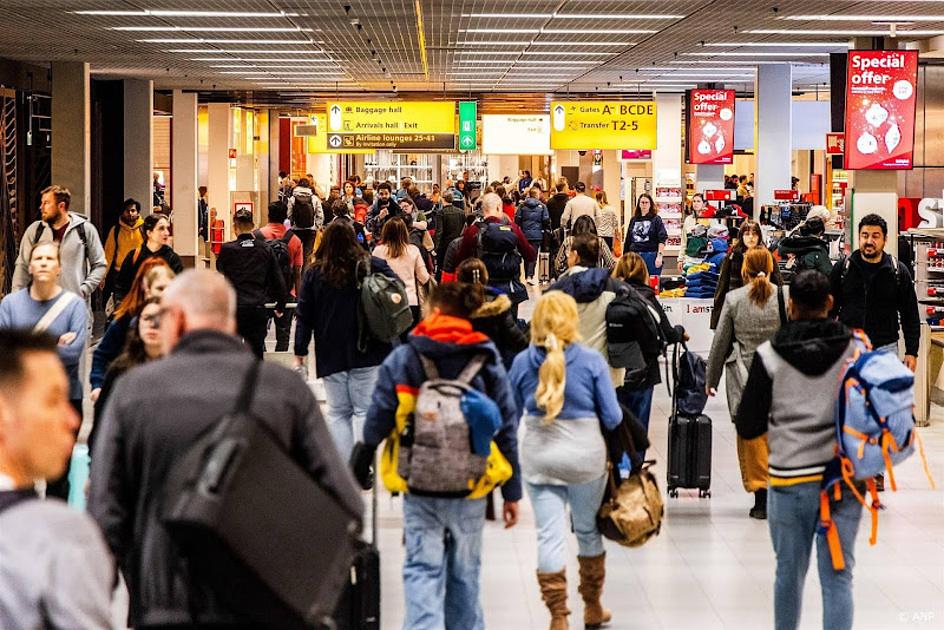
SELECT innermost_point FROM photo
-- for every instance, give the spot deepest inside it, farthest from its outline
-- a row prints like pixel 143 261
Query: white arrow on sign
pixel 559 118
pixel 467 141
pixel 334 141
pixel 336 109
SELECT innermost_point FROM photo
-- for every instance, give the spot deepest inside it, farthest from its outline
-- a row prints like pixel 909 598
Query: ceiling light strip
pixel 176 13
pixel 209 29
pixel 422 37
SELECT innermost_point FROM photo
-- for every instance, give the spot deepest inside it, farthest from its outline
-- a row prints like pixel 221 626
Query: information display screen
pixel 709 134
pixel 514 134
pixel 881 90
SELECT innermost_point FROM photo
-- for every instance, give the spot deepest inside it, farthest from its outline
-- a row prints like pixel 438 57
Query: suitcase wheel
pixel 704 494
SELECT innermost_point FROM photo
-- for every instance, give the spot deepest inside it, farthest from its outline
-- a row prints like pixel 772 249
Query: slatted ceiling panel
pixel 391 25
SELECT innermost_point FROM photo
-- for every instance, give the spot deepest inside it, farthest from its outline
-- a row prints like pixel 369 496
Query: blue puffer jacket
pixel 532 216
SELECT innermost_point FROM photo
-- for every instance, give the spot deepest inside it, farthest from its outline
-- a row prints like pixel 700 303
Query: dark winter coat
pixel 533 217
pixel 494 320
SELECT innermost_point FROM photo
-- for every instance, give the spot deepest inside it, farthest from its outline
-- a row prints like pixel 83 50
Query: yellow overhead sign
pixel 587 125
pixel 318 143
pixel 392 125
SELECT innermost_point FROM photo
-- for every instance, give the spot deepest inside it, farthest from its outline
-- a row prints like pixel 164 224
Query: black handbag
pixel 255 527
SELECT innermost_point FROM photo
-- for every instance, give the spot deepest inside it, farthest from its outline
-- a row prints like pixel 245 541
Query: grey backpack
pixel 436 453
pixel 384 312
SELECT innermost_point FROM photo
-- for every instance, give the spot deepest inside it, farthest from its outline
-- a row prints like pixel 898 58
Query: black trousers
pixel 60 487
pixel 251 324
pixel 307 237
pixel 283 330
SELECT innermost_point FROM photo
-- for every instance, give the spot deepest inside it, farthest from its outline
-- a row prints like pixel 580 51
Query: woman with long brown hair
pixel 151 280
pixel 646 234
pixel 328 308
pixel 750 316
pixel 729 276
pixel 639 385
pixel 405 259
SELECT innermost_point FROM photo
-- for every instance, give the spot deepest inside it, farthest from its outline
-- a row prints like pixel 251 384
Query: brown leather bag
pixel 632 508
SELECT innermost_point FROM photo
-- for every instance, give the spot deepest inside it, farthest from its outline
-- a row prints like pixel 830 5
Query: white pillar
pixel 138 149
pixel 184 181
pixel 709 177
pixel 773 106
pixel 667 157
pixel 71 132
pixel 220 132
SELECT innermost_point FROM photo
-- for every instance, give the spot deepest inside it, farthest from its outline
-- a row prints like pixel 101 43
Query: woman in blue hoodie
pixel 564 390
pixel 533 219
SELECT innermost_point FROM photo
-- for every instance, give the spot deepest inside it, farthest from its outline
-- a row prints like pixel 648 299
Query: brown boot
pixel 554 593
pixel 592 574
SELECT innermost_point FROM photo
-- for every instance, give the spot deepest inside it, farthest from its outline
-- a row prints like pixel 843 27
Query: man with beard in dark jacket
pixel 146 429
pixel 874 291
pixel 790 396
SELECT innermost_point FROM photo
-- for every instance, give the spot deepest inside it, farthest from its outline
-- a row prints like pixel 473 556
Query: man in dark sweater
pixel 874 291
pixel 790 396
pixel 557 203
pixel 252 269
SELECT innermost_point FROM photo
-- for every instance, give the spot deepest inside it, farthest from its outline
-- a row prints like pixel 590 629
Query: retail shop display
pixel 669 202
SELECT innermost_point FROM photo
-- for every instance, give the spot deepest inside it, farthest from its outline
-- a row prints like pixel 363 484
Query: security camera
pixel 347 8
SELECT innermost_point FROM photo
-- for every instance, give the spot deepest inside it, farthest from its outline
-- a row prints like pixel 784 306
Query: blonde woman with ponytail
pixel 750 316
pixel 563 390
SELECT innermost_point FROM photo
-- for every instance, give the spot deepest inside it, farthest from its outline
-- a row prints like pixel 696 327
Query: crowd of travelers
pixel 409 296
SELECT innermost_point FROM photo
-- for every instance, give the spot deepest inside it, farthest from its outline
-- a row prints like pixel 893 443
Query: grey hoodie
pixel 83 269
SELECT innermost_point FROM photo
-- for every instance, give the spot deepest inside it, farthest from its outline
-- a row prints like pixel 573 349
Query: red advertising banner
pixel 636 154
pixel 786 194
pixel 710 130
pixel 880 109
pixel 835 143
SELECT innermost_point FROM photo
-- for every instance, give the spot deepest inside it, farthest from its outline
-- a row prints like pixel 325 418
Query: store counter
pixel 694 314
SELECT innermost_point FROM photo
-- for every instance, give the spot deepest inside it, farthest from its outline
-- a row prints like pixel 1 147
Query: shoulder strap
pixel 472 368
pixel 83 236
pixel 257 233
pixel 248 390
pixel 38 233
pixel 287 237
pixel 64 300
pixel 429 368
pixel 781 306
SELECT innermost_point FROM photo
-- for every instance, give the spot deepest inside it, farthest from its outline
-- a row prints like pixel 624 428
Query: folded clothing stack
pixel 702 281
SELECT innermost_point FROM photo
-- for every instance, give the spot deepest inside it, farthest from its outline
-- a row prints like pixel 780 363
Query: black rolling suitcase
pixel 359 606
pixel 689 464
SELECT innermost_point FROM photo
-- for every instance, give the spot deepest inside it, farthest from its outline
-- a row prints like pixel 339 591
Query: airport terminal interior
pixel 813 129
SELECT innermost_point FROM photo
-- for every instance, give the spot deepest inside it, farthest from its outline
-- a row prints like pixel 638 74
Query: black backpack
pixel 634 335
pixel 303 212
pixel 498 248
pixel 279 247
pixel 689 374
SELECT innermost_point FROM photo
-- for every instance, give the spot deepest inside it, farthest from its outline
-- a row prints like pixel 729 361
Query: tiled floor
pixel 712 566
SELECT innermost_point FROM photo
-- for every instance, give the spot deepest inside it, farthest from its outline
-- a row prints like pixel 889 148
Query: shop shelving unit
pixel 669 200
pixel 386 164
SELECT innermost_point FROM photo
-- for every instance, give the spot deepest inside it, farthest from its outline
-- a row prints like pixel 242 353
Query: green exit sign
pixel 468 136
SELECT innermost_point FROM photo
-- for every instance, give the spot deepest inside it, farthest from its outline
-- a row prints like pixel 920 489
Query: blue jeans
pixel 443 560
pixel 650 258
pixel 550 511
pixel 793 518
pixel 348 396
pixel 639 401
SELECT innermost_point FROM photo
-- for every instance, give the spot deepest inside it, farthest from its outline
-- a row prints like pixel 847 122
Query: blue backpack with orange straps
pixel 875 431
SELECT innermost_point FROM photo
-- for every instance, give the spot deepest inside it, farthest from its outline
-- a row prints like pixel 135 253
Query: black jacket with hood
pixel 555 208
pixel 811 250
pixel 495 321
pixel 672 334
pixel 880 306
